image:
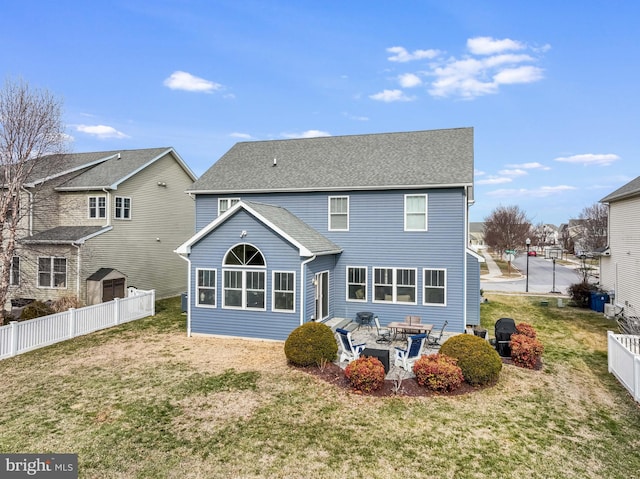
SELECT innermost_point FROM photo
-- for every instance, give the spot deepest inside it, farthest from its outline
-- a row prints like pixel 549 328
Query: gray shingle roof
pixel 630 189
pixel 64 234
pixel 97 170
pixel 432 158
pixel 297 229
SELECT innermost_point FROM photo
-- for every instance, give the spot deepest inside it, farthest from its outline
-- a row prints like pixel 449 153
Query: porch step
pixel 345 324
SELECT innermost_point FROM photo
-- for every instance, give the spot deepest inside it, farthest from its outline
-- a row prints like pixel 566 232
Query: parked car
pixel 533 253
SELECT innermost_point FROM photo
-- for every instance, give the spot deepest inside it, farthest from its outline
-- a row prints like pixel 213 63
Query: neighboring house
pixel 291 231
pixel 476 235
pixel 101 222
pixel 620 261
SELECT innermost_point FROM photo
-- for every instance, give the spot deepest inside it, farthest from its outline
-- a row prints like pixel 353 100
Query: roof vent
pixel 118 156
pixel 275 162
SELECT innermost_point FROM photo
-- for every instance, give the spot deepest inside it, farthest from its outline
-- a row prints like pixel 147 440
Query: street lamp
pixel 528 243
pixel 553 253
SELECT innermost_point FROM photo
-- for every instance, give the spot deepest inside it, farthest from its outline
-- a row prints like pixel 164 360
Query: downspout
pixel 30 216
pixel 303 286
pixel 464 261
pixel 78 268
pixel 186 258
pixel 108 205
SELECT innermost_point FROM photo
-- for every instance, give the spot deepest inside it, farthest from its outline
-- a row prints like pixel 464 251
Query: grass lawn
pixel 144 401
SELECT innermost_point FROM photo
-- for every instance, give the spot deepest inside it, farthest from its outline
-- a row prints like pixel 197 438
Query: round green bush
pixel 438 372
pixel 365 374
pixel 311 344
pixel 36 309
pixel 479 361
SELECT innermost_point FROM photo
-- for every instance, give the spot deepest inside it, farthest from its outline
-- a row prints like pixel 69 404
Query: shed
pixel 104 285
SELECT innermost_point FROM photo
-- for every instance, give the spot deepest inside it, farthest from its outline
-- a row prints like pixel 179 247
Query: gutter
pixel 302 286
pixel 186 258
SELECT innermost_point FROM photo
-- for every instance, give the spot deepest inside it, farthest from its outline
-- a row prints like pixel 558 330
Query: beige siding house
pixel 102 222
pixel 620 262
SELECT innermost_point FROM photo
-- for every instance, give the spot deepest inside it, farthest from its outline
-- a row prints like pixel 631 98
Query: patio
pixel 362 333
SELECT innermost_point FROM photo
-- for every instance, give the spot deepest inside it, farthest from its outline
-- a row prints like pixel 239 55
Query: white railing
pixel 23 336
pixel 624 361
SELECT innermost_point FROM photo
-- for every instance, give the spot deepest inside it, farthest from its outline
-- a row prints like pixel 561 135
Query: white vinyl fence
pixel 23 336
pixel 624 361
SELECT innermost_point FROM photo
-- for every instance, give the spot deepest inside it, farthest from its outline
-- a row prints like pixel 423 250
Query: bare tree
pixel 594 220
pixel 507 227
pixel 30 128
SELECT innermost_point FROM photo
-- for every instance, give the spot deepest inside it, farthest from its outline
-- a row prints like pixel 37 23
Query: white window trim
pixel 229 200
pixel 97 208
pixel 273 292
pixel 214 288
pixel 115 208
pixel 426 213
pixel 52 273
pixel 424 278
pixel 330 214
pixel 244 272
pixel 366 284
pixel 394 285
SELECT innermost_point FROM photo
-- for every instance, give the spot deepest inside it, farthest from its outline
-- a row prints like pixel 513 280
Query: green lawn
pixel 143 400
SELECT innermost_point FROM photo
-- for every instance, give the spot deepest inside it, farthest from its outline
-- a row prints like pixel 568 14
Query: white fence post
pixel 14 337
pixel 636 376
pixel 609 348
pixel 72 322
pixel 116 302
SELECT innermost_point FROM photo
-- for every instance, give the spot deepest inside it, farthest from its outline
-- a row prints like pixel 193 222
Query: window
pixel 206 287
pixel 284 287
pixel 356 284
pixel 225 203
pixel 338 213
pixel 123 208
pixel 415 213
pixel 97 207
pixel 435 286
pixel 14 277
pixel 244 288
pixel 394 285
pixel 52 272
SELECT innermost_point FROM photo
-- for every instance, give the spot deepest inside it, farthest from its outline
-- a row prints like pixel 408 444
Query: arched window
pixel 244 286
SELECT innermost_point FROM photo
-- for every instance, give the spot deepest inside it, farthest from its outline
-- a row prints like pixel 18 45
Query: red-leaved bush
pixel 365 374
pixel 438 372
pixel 526 329
pixel 525 351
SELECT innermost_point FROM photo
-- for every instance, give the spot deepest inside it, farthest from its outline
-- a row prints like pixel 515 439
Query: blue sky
pixel 551 88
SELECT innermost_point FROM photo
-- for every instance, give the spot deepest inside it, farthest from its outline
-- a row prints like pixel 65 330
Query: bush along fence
pixel 624 361
pixel 20 337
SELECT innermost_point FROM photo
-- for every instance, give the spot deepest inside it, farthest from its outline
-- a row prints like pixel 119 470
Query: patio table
pixel 404 328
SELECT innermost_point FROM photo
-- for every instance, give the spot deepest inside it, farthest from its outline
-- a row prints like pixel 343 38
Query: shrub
pixel 311 343
pixel 480 363
pixel 35 309
pixel 526 330
pixel 581 293
pixel 438 372
pixel 66 303
pixel 525 351
pixel 365 374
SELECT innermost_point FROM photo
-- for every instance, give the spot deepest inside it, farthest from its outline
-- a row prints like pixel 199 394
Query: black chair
pixel 504 328
pixel 364 318
pixel 435 340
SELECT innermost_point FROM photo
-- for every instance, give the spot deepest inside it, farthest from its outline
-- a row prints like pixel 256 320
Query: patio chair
pixel 350 351
pixel 384 334
pixel 406 357
pixel 435 340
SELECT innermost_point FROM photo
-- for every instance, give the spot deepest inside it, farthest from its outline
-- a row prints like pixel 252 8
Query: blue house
pixel 290 231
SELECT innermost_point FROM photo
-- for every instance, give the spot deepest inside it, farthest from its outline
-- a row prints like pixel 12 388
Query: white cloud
pixel 523 74
pixel 401 55
pixel 180 80
pixel 307 134
pixel 355 117
pixel 529 166
pixel 541 192
pixel 242 136
pixel 409 80
pixel 389 96
pixel 494 180
pixel 478 172
pixel 489 45
pixel 590 159
pixel 513 172
pixel 101 131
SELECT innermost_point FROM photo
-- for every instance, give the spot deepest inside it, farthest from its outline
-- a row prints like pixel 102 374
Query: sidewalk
pixel 495 273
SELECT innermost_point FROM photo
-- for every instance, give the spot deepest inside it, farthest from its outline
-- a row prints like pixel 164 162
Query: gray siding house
pixel 291 231
pixel 100 222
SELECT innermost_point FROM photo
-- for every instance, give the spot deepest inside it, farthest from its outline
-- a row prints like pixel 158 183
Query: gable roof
pixel 66 235
pixel 435 158
pixel 99 170
pixel 308 240
pixel 627 191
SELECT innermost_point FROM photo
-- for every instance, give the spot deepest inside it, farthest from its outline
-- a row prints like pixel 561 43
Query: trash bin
pixel 183 302
pixel 598 301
